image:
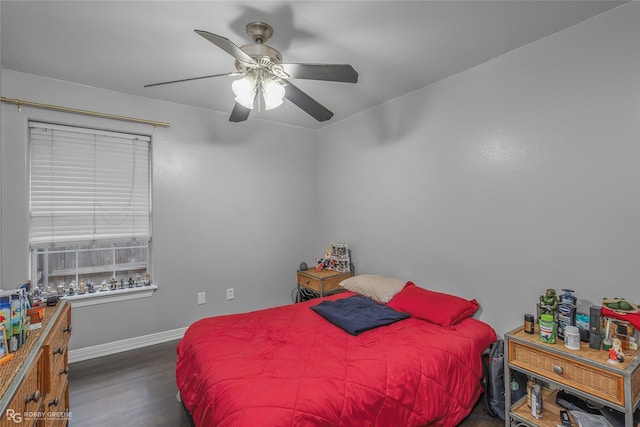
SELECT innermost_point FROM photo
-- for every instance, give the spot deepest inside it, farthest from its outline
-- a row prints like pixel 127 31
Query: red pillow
pixel 434 307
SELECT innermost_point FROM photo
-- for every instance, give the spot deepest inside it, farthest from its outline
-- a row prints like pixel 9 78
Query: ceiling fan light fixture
pixel 267 78
pixel 245 91
pixel 273 93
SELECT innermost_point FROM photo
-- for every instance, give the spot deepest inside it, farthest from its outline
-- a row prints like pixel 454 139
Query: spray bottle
pixel 536 402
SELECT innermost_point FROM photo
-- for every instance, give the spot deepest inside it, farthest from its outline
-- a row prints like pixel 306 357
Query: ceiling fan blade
pixel 227 45
pixel 330 72
pixel 239 113
pixel 306 103
pixel 194 78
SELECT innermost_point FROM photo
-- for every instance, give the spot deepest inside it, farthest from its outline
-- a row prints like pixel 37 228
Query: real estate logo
pixel 14 416
pixel 18 417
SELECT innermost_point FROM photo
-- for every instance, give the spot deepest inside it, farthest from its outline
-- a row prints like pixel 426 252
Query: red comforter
pixel 288 366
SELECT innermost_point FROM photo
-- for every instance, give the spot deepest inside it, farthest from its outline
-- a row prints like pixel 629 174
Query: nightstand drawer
pixel 581 376
pixel 309 282
pixel 324 281
pixel 328 285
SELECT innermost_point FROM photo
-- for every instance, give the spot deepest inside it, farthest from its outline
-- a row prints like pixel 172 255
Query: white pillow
pixel 379 288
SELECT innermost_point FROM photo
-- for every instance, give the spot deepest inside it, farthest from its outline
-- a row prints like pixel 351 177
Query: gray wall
pixel 496 183
pixel 501 181
pixel 231 207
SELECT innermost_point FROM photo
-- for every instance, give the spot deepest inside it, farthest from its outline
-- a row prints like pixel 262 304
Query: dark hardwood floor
pixel 479 418
pixel 137 389
pixel 133 388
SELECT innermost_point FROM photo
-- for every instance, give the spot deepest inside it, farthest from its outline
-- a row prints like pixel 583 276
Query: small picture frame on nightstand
pixel 339 250
pixel 340 257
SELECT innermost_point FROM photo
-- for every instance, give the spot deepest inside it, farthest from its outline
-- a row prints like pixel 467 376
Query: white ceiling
pixel 395 46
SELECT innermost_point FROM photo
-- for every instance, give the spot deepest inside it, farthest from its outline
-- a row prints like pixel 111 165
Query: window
pixel 90 263
pixel 90 206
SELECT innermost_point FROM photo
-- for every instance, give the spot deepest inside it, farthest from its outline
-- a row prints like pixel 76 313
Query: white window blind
pixel 87 185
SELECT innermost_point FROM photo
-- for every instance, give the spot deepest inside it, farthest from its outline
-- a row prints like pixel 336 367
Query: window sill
pixel 110 296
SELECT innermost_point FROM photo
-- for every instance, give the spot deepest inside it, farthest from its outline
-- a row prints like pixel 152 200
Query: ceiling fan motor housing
pixel 263 54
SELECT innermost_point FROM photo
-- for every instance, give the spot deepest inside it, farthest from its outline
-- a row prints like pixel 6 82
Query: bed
pixel 290 366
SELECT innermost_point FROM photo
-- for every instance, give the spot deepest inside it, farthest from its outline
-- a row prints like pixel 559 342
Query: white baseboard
pixel 124 345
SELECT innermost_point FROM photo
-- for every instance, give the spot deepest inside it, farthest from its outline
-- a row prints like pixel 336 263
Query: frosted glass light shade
pixel 245 92
pixel 273 93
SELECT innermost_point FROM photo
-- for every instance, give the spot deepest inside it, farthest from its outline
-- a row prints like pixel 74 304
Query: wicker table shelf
pixel 585 373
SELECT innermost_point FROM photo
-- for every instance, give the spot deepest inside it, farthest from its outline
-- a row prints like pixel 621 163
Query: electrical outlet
pixel 202 298
pixel 230 293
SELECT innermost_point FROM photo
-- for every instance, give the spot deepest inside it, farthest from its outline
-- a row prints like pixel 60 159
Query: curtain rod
pixel 20 103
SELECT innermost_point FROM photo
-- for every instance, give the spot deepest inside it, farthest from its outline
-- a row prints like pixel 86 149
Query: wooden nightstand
pixel 583 372
pixel 323 282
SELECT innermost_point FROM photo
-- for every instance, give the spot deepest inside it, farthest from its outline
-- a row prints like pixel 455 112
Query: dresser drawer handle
pixel 54 402
pixel 59 350
pixel 558 369
pixel 67 329
pixel 64 371
pixel 32 397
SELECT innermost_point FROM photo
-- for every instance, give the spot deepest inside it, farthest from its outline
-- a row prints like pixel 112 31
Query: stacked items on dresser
pixel 13 321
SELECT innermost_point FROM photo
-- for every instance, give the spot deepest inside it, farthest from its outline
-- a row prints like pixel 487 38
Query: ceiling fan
pixel 266 78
